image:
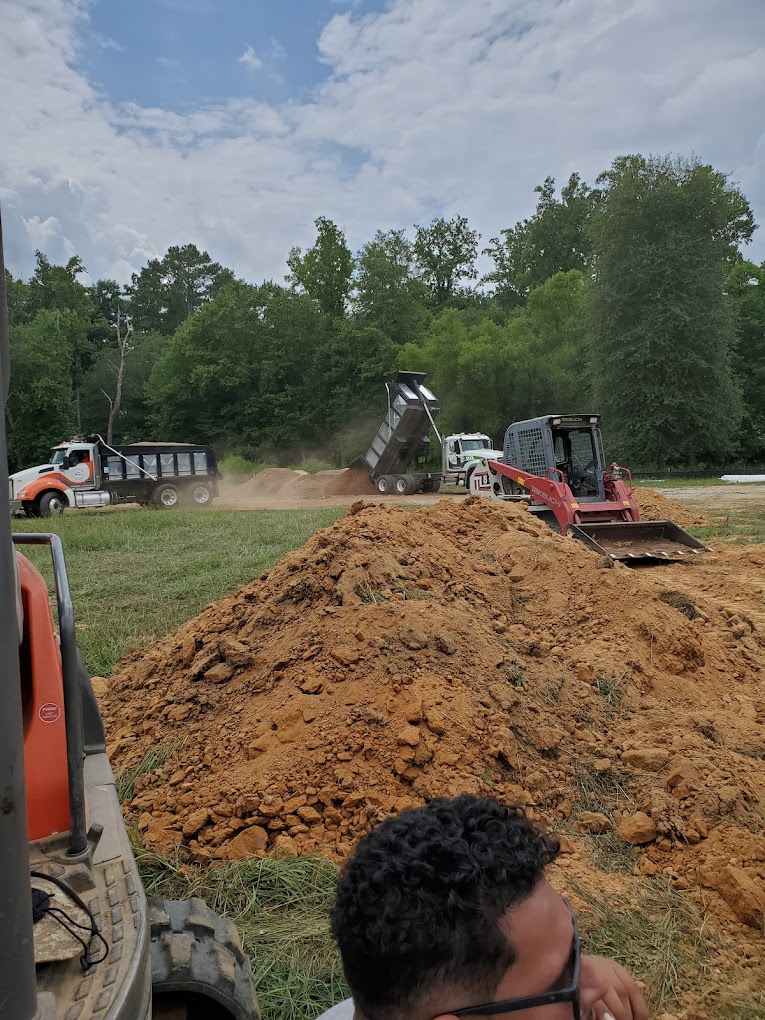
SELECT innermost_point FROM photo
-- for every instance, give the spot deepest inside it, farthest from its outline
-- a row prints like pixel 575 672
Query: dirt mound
pixel 655 507
pixel 286 483
pixel 400 655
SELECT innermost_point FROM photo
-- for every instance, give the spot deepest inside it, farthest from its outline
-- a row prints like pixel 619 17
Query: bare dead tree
pixel 124 328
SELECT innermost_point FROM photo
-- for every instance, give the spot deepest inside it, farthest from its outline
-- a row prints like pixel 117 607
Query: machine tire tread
pixel 193 949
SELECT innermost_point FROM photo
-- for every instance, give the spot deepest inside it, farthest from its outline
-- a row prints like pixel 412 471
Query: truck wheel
pixel 385 485
pixel 201 494
pixel 166 496
pixel 51 504
pixel 401 485
pixel 412 484
pixel 431 485
pixel 197 961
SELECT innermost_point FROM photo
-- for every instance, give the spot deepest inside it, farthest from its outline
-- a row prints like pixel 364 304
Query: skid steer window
pixel 584 461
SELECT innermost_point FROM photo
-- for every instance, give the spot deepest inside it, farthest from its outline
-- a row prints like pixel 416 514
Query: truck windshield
pixel 476 444
pixel 58 457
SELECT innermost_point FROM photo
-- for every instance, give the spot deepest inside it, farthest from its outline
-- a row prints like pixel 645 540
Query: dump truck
pixel 402 443
pixel 80 939
pixel 555 465
pixel 86 472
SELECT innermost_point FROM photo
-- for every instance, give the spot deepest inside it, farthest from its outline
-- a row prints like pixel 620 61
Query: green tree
pixel 168 290
pixel 663 327
pixel 555 239
pixel 99 388
pixel 746 287
pixel 324 272
pixel 487 374
pixel 388 295
pixel 41 407
pixel 445 253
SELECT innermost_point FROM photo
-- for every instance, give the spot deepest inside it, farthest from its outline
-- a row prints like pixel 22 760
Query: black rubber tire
pixel 385 485
pixel 51 504
pixel 194 491
pixel 30 509
pixel 412 484
pixel 196 952
pixel 434 484
pixel 166 496
pixel 404 485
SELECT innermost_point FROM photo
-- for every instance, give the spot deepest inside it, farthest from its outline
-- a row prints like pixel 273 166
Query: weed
pixel 237 468
pixel 612 854
pixel 369 594
pixel 600 791
pixel 152 760
pixel 681 602
pixel 314 464
pixel 515 674
pixel 611 689
pixel 661 938
pixel 552 693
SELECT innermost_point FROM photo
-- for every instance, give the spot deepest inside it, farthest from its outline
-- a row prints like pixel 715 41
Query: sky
pixel 127 126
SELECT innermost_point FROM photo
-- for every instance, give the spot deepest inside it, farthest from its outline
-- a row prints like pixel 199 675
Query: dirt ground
pixel 467 647
pixel 284 489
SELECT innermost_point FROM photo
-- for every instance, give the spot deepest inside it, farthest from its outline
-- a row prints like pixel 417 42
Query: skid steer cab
pixel 87 472
pixel 555 466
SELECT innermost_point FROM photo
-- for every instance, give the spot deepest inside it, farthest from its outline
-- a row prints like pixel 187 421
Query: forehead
pixel 540 931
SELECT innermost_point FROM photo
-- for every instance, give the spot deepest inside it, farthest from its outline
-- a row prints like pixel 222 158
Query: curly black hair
pixel 418 904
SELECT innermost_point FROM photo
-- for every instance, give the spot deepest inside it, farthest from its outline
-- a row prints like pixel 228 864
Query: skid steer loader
pixel 79 939
pixel 555 465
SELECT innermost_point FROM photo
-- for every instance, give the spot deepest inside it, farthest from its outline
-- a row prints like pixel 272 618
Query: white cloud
pixel 107 43
pixel 250 59
pixel 427 108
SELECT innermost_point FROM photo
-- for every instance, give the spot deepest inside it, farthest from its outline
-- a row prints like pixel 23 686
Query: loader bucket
pixel 638 540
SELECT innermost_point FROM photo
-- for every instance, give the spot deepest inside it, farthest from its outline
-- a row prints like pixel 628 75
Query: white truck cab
pixel 461 452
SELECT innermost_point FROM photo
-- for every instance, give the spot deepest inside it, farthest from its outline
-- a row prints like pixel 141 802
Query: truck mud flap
pixel 639 540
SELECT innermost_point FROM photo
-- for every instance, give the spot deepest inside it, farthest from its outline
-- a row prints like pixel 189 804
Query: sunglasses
pixel 551 998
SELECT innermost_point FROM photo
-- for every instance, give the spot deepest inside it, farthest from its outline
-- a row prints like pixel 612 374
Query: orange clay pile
pixel 401 655
pixel 655 507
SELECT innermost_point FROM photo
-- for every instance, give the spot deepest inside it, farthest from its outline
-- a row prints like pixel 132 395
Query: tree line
pixel 631 298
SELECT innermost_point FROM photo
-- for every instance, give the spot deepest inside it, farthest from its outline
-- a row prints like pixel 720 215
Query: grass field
pixel 136 574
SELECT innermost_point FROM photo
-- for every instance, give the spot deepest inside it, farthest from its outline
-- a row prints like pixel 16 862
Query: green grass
pixel 153 759
pixel 281 908
pixel 137 574
pixel 668 482
pixel 660 938
pixel 744 527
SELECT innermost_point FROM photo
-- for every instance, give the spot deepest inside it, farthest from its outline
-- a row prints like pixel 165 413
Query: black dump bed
pixel 403 436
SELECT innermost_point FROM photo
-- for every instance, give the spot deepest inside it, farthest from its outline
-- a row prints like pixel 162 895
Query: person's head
pixel 445 907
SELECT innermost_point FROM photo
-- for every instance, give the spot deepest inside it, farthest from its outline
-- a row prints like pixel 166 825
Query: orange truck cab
pixel 88 472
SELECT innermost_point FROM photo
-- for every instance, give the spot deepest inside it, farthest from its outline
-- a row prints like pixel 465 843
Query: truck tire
pixel 385 484
pixel 51 504
pixel 196 958
pixel 200 494
pixel 431 485
pixel 166 496
pixel 402 485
